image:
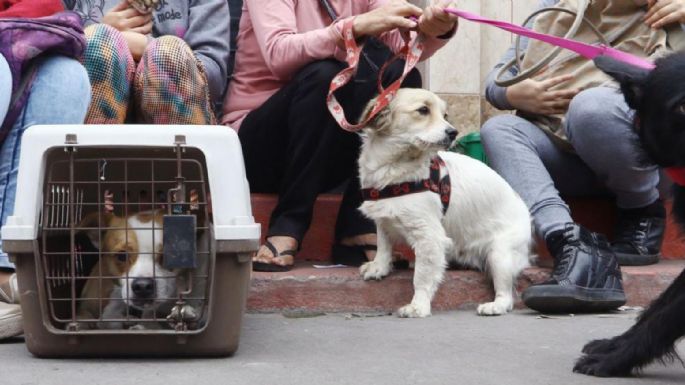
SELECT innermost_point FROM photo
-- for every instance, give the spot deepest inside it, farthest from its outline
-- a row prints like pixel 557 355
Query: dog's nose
pixel 451 133
pixel 143 287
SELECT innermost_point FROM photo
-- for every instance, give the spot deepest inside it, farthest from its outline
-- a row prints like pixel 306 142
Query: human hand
pixel 125 18
pixel 535 97
pixel 394 14
pixel 664 12
pixel 435 21
pixel 137 42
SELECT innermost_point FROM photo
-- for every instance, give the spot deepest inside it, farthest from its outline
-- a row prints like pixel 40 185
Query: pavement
pixel 456 348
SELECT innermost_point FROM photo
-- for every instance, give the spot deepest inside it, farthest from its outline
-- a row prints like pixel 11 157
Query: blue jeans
pixel 608 160
pixel 60 94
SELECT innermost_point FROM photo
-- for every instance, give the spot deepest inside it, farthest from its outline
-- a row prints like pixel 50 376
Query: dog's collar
pixel 433 183
pixel 677 175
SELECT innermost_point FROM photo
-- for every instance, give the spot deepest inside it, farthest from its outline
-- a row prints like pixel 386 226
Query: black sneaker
pixel 639 234
pixel 586 276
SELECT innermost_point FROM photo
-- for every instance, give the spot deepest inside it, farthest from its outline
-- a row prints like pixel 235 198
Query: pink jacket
pixel 281 36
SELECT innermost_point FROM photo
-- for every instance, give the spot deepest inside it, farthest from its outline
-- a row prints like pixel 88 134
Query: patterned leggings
pixel 169 83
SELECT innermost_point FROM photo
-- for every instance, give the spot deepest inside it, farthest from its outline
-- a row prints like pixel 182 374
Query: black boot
pixel 586 276
pixel 638 235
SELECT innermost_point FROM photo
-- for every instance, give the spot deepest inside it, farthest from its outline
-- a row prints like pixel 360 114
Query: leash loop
pixel 588 51
pixel 410 52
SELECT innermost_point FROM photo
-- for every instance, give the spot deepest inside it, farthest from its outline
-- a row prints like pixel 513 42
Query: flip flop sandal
pixel 270 267
pixel 9 292
pixel 355 255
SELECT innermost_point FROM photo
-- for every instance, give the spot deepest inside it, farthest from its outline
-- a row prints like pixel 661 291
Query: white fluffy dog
pixel 486 226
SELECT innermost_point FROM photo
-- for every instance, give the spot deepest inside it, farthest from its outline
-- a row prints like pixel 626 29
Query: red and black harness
pixel 433 183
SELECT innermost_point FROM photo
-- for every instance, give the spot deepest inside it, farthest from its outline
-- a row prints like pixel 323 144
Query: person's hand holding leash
pixel 394 14
pixel 125 18
pixel 534 96
pixel 435 21
pixel 664 12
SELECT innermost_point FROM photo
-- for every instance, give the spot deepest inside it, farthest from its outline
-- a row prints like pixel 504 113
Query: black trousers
pixel 293 147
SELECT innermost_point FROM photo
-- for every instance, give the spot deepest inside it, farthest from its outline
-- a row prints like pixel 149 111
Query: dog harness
pixel 677 175
pixel 433 183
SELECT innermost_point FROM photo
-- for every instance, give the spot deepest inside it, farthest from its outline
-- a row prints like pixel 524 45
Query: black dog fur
pixel 658 97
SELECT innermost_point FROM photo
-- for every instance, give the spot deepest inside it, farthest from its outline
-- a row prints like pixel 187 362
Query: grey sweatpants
pixel 608 159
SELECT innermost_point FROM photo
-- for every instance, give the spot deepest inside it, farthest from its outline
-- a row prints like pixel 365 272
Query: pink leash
pixel 677 174
pixel 583 49
pixel 413 48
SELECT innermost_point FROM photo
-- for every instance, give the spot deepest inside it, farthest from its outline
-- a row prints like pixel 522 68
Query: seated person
pixel 56 78
pixel 288 53
pixel 164 65
pixel 592 151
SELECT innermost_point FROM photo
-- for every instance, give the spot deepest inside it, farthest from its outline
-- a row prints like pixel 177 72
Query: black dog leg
pixel 652 338
pixel 604 346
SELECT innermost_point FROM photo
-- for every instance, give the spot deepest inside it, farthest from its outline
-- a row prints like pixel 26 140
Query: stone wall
pixel 457 71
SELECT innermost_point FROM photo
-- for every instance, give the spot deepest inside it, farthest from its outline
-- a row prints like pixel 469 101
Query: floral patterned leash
pixel 410 52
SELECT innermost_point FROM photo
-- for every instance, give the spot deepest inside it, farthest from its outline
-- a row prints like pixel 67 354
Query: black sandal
pixel 270 267
pixel 355 255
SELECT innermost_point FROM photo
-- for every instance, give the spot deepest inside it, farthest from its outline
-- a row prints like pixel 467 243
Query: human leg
pixel 585 276
pixel 170 85
pixel 537 169
pixel 290 146
pixel 57 78
pixel 599 118
pixel 110 69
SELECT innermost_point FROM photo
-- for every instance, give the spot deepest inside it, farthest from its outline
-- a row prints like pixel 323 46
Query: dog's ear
pixel 631 78
pixel 379 122
pixel 93 224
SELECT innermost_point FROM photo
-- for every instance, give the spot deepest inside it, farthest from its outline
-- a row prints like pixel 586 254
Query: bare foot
pixel 369 239
pixel 363 239
pixel 281 243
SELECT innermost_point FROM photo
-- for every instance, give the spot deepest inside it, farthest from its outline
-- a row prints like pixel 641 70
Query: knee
pixel 102 38
pixel 107 53
pixel 319 73
pixel 167 58
pixel 595 107
pixel 413 79
pixel 496 129
pixel 396 69
pixel 67 74
pixel 168 50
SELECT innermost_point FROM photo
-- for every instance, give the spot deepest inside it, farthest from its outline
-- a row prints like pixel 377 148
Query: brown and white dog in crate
pixel 129 276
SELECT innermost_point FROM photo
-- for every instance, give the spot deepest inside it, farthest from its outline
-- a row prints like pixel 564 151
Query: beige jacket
pixel 620 21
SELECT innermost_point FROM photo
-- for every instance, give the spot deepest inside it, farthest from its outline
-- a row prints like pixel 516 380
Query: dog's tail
pixel 679 205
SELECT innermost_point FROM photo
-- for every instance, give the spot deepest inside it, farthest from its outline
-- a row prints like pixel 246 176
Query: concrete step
pixel 306 288
pixel 596 214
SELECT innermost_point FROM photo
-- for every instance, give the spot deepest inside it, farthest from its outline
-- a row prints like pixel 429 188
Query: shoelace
pixel 567 253
pixel 627 233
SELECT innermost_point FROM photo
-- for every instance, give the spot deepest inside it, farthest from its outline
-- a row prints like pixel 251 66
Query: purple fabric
pixel 24 40
pixel 586 50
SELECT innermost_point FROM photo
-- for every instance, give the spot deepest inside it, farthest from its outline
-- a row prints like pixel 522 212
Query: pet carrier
pixel 131 240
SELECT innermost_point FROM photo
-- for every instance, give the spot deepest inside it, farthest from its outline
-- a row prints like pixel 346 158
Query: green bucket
pixel 471 145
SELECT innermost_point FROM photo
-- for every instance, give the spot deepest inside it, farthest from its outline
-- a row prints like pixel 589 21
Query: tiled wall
pixel 457 71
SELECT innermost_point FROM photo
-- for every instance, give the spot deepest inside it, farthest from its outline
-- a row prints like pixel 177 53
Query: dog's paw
pixel 601 366
pixel 374 270
pixel 137 327
pixel 602 346
pixel 414 311
pixel 493 308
